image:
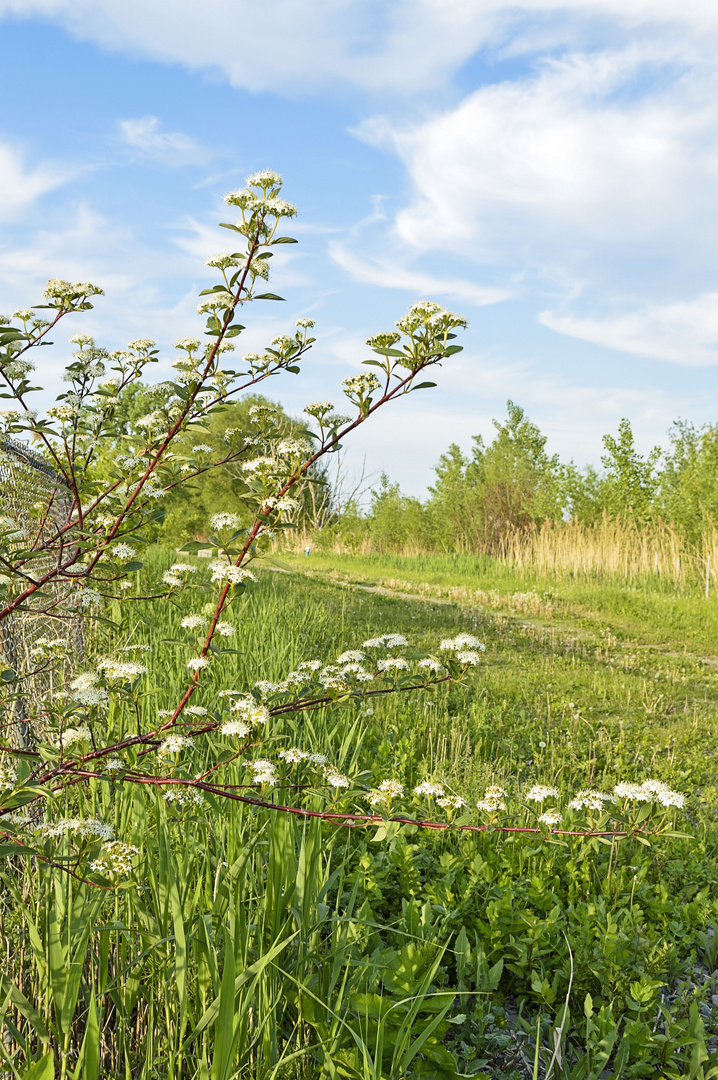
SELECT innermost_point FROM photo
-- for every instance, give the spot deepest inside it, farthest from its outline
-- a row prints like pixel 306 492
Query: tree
pixel 631 480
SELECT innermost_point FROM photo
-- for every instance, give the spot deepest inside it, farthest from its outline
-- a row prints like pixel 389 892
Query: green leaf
pixel 8 675
pixel 423 385
pixel 130 567
pixel 214 289
pixel 234 331
pixel 44 1069
pixel 285 240
pixel 268 296
pixel 227 225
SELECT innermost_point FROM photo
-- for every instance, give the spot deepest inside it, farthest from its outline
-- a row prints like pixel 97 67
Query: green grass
pixel 654 610
pixel 253 944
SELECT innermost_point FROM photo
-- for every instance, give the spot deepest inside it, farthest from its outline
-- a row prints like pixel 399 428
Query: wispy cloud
pixel 389 275
pixel 145 136
pixel 21 185
pixel 683 333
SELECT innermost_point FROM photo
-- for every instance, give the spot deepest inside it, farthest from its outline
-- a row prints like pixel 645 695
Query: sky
pixel 546 169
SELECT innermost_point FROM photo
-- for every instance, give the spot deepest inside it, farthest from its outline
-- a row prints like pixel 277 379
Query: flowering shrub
pixel 114 722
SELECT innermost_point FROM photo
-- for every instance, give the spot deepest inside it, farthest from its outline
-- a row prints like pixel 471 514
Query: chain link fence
pixel 34 500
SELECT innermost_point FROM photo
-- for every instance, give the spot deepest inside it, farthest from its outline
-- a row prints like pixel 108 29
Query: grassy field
pixel 258 944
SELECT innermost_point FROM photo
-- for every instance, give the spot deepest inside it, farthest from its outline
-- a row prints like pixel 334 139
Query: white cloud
pixel 578 159
pixel 20 186
pixel 685 333
pixel 146 137
pixel 404 46
pixel 388 275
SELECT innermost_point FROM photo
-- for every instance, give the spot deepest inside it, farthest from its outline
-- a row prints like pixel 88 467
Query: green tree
pixel 631 481
pixel 688 486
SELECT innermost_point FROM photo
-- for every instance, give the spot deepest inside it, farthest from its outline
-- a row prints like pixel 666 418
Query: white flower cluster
pixel 184 796
pixel 540 792
pixel 293 756
pixel 493 800
pixel 650 791
pixel 59 291
pixel 115 669
pixel 233 575
pixel 451 803
pixel 70 736
pixel 8 776
pixel 85 828
pixel 115 858
pixel 225 629
pixel 198 663
pixel 174 744
pixel 393 663
pixel 358 387
pixel 193 622
pixel 428 790
pixel 385 792
pixel 426 316
pixel 224 521
pixel 386 641
pixel 590 799
pixel 250 711
pixel 264 771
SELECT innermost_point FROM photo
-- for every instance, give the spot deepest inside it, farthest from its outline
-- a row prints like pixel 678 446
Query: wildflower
pixel 164 714
pixel 115 858
pixel 173 744
pixel 193 622
pixel 632 792
pixel 361 385
pixel 461 641
pixel 114 764
pixel 305 324
pixel 540 792
pixel 282 343
pixel 223 261
pixel 224 521
pixel 264 772
pixel 85 681
pixel 85 828
pixel 468 658
pixel 318 759
pixel 427 789
pixel 233 575
pixel 351 655
pixel 195 710
pixel 225 629
pixel 550 818
pixel 383 341
pixel 171 579
pixel 120 669
pixel 265 687
pixel 124 584
pixel 95 697
pixel 184 796
pixel 431 664
pixel 393 663
pixel 251 711
pixel 216 302
pixel 8 776
pixel 266 178
pixel 235 727
pixel 182 568
pixel 336 779
pixel 198 663
pixel 590 799
pixel 71 736
pixel 385 792
pixel 293 756
pixel 188 344
pixel 202 448
pixel 123 551
pixel 451 802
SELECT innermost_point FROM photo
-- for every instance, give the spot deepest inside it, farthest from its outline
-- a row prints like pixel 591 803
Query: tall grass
pixel 610 549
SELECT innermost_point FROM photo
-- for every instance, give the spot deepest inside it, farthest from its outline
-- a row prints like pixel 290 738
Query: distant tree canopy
pixel 477 500
pixel 189 507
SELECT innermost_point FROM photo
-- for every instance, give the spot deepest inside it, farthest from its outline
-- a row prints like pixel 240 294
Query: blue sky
pixel 546 169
